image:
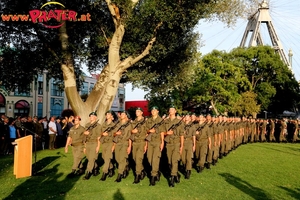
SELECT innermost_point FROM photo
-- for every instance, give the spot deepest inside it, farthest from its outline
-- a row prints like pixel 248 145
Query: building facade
pixel 46 98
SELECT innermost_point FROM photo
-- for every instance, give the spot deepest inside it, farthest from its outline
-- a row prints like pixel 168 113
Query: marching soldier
pixel 189 145
pixel 139 145
pixel 155 142
pixel 123 145
pixel 211 132
pixel 203 142
pixel 92 145
pixel 174 144
pixel 107 144
pixel 75 139
pixel 271 131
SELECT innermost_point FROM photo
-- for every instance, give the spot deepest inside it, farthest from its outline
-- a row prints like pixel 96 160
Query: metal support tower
pixel 262 15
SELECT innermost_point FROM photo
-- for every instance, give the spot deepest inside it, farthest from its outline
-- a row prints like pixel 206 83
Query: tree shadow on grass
pixel 118 195
pixel 293 193
pixel 245 186
pixel 46 183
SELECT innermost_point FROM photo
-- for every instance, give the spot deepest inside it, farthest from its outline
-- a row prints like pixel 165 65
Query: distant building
pixel 141 103
pixel 46 98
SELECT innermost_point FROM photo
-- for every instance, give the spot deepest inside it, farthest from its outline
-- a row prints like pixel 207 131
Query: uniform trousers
pixel 91 155
pixel 77 156
pixel 201 152
pixel 153 156
pixel 138 155
pixel 121 155
pixel 107 155
pixel 173 154
pixel 187 154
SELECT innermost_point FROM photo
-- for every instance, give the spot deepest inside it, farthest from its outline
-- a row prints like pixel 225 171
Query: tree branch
pixel 131 61
pixel 114 11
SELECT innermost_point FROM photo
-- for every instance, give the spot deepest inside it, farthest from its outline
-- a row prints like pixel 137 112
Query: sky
pixel 285 16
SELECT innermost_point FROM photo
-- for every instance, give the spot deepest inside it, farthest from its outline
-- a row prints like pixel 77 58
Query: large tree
pixel 116 41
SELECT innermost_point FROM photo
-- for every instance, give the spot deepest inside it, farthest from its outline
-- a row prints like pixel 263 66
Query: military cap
pixel 77 117
pixel 154 107
pixel 109 111
pixel 93 113
pixel 139 108
pixel 172 106
pixel 126 113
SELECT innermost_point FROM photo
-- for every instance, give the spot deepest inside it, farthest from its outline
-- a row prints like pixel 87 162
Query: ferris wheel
pixel 285 18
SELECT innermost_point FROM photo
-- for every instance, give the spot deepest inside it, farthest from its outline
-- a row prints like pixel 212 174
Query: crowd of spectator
pixel 47 133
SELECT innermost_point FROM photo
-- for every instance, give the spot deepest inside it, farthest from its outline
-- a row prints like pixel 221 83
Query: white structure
pixel 262 15
pixel 46 98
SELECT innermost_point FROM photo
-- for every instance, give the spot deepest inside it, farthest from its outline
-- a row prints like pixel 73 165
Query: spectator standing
pixel 52 132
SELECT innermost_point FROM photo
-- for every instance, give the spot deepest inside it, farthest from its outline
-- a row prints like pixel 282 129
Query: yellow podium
pixel 23 157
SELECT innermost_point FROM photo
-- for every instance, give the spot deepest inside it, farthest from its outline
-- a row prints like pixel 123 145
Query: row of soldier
pixel 187 142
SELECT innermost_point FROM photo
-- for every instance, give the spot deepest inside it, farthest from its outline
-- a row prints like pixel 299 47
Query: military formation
pixel 171 145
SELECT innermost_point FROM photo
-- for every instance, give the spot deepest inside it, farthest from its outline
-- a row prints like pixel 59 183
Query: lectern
pixel 23 157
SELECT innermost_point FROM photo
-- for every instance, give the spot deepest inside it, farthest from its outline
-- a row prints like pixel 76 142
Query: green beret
pixel 154 107
pixel 93 113
pixel 109 111
pixel 172 106
pixel 139 108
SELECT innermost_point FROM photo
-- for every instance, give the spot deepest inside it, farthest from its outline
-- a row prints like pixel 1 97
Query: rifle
pixel 149 136
pixel 201 127
pixel 122 127
pixel 174 126
pixel 136 126
pixel 108 129
pixel 91 127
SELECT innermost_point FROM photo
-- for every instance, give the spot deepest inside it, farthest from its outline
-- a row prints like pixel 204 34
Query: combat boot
pixel 72 174
pixel 177 178
pixel 119 178
pixel 103 178
pixel 214 162
pixel 143 174
pixel 125 173
pixel 137 179
pixel 87 176
pixel 158 176
pixel 96 172
pixel 171 184
pixel 188 174
pixel 207 165
pixel 152 182
pixel 80 172
pixel 111 172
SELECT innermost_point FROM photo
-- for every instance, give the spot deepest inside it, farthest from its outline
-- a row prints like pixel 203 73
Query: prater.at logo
pixel 49 17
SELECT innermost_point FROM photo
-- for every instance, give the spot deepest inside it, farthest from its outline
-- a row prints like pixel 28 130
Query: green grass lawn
pixel 253 171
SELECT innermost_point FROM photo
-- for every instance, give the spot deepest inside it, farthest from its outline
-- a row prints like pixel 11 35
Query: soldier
pixel 295 131
pixel 174 143
pixel 271 130
pixel 155 142
pixel 139 145
pixel 123 145
pixel 107 144
pixel 203 142
pixel 75 139
pixel 189 145
pixel 92 145
pixel 263 130
pixel 211 128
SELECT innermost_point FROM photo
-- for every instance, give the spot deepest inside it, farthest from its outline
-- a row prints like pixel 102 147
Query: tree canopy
pixel 242 82
pixel 117 41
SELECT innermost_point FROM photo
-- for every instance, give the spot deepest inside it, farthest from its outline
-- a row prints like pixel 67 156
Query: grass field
pixel 253 171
